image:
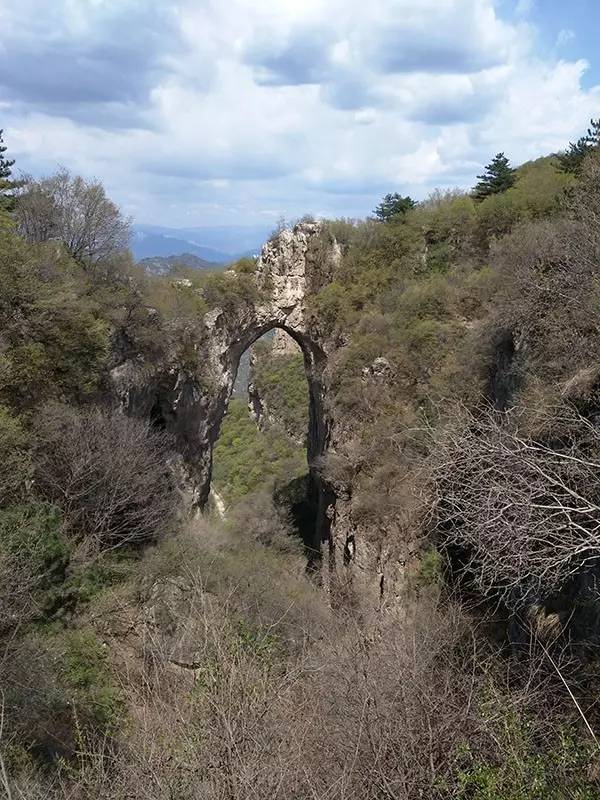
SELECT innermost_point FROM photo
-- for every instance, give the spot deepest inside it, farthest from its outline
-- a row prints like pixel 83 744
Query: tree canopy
pixel 497 177
pixel 75 211
pixel 5 163
pixel 393 205
pixel 571 159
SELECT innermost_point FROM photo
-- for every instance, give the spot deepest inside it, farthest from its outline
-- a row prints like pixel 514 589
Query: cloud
pixel 220 167
pixel 346 54
pixel 76 56
pixel 565 35
pixel 463 36
pixel 203 112
pixel 301 58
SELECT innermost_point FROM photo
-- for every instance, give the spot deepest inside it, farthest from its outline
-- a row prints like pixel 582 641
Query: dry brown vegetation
pixel 235 681
pixel 107 472
pixel 523 511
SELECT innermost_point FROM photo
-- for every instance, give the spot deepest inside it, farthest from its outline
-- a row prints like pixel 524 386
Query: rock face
pixel 191 404
pixel 282 345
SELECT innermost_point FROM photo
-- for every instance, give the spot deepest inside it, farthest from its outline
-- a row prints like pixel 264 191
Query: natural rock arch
pixel 192 404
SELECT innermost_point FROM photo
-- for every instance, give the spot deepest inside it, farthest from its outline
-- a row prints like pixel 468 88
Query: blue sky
pixel 570 30
pixel 204 112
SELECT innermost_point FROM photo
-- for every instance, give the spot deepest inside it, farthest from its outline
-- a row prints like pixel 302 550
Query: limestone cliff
pixel 190 400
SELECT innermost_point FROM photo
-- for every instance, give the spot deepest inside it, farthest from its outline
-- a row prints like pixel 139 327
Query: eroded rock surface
pixel 191 403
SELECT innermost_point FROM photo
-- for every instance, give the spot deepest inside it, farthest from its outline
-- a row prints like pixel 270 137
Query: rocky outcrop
pixel 257 405
pixel 191 402
pixel 282 344
pixel 379 372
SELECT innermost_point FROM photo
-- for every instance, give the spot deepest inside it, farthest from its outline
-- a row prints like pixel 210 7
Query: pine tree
pixel 393 206
pixel 6 184
pixel 572 159
pixel 593 133
pixel 5 164
pixel 498 177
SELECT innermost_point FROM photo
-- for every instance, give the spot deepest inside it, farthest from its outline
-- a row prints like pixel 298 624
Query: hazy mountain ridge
pixel 151 245
pixel 162 265
pixel 219 244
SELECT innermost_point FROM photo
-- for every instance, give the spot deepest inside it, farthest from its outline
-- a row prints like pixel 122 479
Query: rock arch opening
pixel 281 393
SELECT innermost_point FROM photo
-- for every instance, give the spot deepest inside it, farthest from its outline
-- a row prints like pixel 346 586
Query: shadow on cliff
pixel 301 498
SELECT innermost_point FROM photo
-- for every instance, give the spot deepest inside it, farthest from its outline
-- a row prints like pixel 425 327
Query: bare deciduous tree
pixel 17 587
pixel 524 512
pixel 75 211
pixel 107 472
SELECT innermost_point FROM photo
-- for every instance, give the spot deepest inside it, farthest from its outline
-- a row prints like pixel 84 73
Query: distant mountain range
pixel 216 245
pixel 162 265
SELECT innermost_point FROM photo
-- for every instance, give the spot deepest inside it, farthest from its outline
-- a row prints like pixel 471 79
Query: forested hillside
pixel 148 650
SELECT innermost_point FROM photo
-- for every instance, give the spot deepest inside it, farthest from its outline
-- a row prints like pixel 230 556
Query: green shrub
pixel 55 342
pixel 260 643
pixel 88 676
pixel 330 307
pixel 247 460
pixel 41 580
pixel 281 383
pixel 229 290
pixel 180 299
pixel 246 265
pixel 539 193
pixel 526 769
pixel 447 223
pixel 34 532
pixel 33 561
pixel 59 693
pixel 15 461
pixel 430 568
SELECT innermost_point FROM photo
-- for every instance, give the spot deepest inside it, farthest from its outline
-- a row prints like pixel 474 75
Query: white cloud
pixel 224 112
pixel 565 35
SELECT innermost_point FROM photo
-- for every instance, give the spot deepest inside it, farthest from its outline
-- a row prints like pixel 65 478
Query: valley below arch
pixel 316 436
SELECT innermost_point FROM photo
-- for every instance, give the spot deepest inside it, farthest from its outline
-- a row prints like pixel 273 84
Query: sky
pixel 240 112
